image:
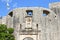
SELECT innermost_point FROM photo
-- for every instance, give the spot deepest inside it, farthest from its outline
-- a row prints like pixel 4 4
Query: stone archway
pixel 28 38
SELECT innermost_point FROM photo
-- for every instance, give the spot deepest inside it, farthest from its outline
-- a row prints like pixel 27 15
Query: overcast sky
pixel 7 5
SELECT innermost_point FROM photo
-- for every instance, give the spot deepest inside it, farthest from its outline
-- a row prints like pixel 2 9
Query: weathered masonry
pixel 34 23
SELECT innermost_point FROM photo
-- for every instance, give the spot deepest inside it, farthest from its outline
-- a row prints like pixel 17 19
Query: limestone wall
pixel 48 24
pixel 56 8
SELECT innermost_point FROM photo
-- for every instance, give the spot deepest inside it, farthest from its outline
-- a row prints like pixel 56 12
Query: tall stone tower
pixel 56 8
pixel 33 23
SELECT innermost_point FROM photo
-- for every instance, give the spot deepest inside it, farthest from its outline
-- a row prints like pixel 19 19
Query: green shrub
pixel 6 33
pixel 10 30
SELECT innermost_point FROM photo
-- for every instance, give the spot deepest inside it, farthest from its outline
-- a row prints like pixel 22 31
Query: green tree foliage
pixel 10 30
pixel 6 33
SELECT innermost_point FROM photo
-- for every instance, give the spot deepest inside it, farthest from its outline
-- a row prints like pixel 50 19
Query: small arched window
pixel 29 12
pixel 45 12
pixel 11 13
